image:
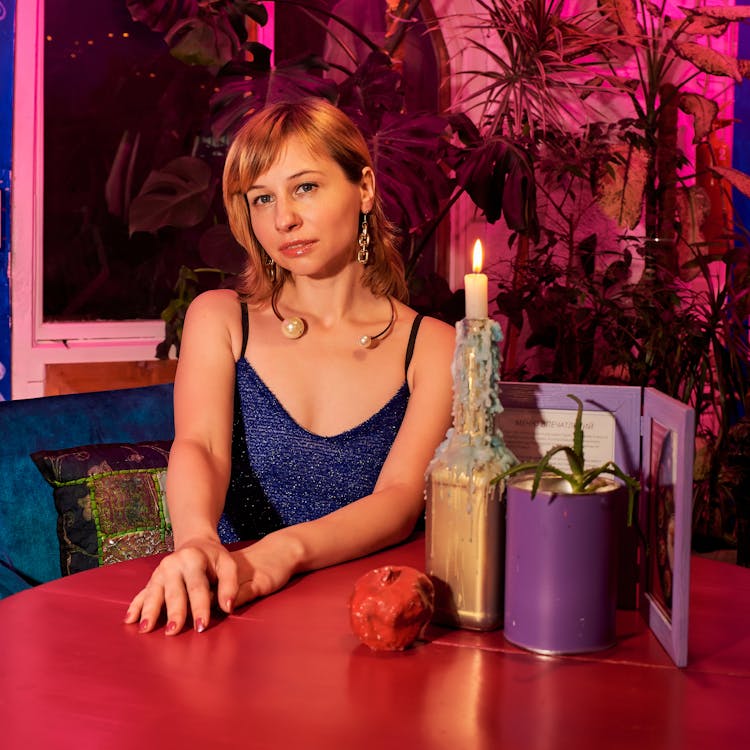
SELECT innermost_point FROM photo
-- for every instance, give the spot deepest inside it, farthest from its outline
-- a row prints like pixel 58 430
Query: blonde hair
pixel 321 127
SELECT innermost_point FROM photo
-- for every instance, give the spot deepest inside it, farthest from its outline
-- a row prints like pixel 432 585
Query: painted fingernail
pixel 143 626
pixel 171 627
pixel 230 605
pixel 200 626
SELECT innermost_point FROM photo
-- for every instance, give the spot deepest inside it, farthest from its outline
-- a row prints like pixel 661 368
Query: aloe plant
pixel 580 479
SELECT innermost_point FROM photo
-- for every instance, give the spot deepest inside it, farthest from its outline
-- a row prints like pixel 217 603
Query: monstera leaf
pixel 161 15
pixel 406 152
pixel 244 86
pixel 211 42
pixel 372 90
pixel 200 32
pixel 407 149
pixel 177 195
pixel 499 177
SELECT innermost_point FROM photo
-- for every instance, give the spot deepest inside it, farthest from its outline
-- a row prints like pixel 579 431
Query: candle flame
pixel 477 257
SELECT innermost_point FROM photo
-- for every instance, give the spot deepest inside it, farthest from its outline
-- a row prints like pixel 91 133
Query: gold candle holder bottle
pixel 465 516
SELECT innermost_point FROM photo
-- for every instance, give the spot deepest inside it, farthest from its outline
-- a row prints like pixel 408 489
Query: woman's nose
pixel 287 217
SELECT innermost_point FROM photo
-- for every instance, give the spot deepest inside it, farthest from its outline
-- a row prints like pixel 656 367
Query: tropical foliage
pixel 667 305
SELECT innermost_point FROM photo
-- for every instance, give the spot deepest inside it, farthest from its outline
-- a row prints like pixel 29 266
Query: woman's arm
pixel 200 459
pixel 198 473
pixel 388 515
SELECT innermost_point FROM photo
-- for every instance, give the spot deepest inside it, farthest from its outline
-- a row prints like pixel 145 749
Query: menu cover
pixel 665 515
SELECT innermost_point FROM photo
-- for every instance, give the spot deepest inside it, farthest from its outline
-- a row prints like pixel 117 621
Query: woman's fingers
pixel 195 590
pixel 185 576
pixel 152 598
pixel 182 585
pixel 133 612
pixel 227 576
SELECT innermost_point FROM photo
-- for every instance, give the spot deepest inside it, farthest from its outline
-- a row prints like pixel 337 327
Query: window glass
pixel 116 106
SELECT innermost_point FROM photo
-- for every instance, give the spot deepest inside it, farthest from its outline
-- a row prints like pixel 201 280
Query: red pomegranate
pixel 391 606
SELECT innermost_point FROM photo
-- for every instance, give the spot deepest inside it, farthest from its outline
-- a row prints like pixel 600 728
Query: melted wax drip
pixel 474 443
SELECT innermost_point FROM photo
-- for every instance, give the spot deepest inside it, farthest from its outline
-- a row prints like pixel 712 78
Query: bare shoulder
pixel 433 353
pixel 217 302
pixel 213 320
pixel 436 339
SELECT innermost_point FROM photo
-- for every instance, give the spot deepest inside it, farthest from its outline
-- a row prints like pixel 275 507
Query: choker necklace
pixel 295 327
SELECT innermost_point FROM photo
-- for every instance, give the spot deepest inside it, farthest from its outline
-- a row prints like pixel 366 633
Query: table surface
pixel 287 672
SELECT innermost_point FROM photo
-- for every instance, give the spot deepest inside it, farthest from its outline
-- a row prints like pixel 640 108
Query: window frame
pixel 34 342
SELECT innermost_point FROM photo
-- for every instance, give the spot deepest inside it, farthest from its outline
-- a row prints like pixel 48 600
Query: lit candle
pixel 475 286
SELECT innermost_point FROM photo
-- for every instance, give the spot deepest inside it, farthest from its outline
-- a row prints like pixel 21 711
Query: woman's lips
pixel 295 249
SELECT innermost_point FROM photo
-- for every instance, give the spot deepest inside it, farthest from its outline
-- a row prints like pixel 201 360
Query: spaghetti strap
pixel 412 341
pixel 245 328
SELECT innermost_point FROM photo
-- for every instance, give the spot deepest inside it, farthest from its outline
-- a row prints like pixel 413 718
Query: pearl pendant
pixel 365 341
pixel 292 328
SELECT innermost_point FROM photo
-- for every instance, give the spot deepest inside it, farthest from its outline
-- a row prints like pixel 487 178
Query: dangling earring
pixel 270 267
pixel 363 255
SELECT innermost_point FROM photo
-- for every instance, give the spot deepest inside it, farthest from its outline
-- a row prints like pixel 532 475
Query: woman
pixel 308 407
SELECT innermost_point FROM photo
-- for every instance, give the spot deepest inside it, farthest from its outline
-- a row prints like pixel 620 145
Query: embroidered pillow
pixel 110 501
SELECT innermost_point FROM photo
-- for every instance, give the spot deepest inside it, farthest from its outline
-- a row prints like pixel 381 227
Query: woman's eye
pixel 306 187
pixel 261 200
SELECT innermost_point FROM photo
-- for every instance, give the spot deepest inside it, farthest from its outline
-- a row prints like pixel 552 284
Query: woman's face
pixel 305 212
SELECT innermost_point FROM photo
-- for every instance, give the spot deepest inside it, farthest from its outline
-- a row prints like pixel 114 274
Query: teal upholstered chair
pixel 29 549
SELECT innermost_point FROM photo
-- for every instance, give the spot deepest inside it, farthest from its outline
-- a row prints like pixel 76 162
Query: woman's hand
pixel 190 579
pixel 267 565
pixel 203 572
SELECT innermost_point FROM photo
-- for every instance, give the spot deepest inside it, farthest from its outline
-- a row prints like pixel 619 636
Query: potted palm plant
pixel 562 542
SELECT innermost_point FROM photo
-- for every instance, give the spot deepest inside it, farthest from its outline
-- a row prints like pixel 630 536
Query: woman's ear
pixel 367 190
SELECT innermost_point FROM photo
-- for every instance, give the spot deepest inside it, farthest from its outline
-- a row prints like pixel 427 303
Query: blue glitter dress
pixel 281 473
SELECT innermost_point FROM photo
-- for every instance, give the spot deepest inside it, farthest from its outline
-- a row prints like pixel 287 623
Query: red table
pixel 286 672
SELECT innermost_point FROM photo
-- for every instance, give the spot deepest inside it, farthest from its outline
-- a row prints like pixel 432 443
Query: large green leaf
pixel 374 89
pixel 161 15
pixel 737 179
pixel 177 195
pixel 245 86
pixel 200 32
pixel 708 60
pixel 407 149
pixel 211 41
pixel 499 177
pixel 406 153
pixel 703 111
